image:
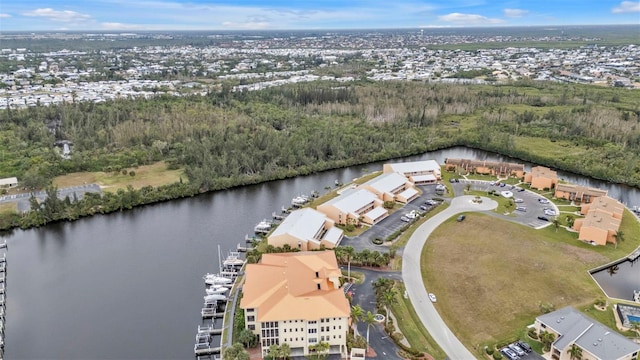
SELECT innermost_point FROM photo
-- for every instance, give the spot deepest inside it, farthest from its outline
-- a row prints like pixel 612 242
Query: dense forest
pixel 229 139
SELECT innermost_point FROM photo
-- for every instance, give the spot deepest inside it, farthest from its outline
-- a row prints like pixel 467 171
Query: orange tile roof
pixel 607 204
pixel 285 287
pixel 578 189
pixel 601 219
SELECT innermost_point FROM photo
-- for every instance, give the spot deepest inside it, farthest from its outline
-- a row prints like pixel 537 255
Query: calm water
pixel 620 283
pixel 129 285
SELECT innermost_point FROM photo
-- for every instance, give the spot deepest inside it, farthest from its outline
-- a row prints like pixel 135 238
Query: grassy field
pixel 155 175
pixel 504 272
pixel 413 330
pixel 8 207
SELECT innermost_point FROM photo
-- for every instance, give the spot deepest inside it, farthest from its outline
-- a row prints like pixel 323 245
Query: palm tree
pixel 369 319
pixel 619 236
pixel 556 223
pixel 575 352
pixel 285 351
pixel 357 313
pixel 388 298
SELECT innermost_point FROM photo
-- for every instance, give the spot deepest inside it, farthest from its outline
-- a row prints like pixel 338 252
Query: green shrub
pixel 497 356
pixel 377 241
pixel 489 350
pixel 533 334
pixel 350 227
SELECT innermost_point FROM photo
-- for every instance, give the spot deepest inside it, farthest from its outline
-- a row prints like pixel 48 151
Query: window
pixel 251 318
pixel 313 340
pixel 250 310
pixel 313 331
pixel 313 322
pixel 252 327
pixel 318 286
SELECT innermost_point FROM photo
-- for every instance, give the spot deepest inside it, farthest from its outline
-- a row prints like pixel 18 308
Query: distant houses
pixel 541 178
pixel 594 340
pixel 484 167
pixel 601 222
pixel 392 187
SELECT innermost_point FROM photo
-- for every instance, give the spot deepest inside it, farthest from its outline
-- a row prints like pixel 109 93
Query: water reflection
pixel 620 280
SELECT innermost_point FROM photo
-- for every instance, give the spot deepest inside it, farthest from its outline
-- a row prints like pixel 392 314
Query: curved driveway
pixel 413 278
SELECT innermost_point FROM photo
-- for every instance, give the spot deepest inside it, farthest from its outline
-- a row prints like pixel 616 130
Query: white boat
pixel 636 296
pixel 214 297
pixel 263 226
pixel 300 200
pixel 233 260
pixel 216 289
pixel 214 279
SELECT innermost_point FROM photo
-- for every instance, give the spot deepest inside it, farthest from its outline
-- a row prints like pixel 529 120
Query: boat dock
pixel 241 248
pixel 634 255
pixel 3 291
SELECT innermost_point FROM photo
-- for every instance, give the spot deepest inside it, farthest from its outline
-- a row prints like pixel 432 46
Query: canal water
pixel 619 280
pixel 129 285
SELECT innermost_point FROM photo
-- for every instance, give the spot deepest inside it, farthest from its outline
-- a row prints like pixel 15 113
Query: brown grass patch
pixel 148 175
pixel 491 284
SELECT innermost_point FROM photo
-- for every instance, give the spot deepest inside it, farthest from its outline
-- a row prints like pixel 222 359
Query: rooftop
pixel 352 200
pixel 301 285
pixel 415 167
pixel 590 335
pixel 386 182
pixel 302 224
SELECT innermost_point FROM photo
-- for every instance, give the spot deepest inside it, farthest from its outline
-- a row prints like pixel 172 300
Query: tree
pixel 575 352
pixel 556 223
pixel 236 352
pixel 613 270
pixel 248 338
pixel 285 351
pixel 635 326
pixel 319 351
pixel 388 297
pixel 357 313
pixel 369 319
pixel 547 338
pixel 619 237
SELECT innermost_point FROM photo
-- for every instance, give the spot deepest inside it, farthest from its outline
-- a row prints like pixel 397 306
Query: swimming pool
pixel 633 318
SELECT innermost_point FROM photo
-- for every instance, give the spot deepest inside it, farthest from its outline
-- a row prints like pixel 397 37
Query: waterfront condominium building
pixel 601 222
pixel 306 229
pixel 419 172
pixel 392 187
pixel 355 206
pixel 541 178
pixel 296 298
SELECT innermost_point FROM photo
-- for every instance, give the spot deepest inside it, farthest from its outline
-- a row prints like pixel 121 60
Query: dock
pixel 204 349
pixel 240 248
pixel 634 255
pixel 3 245
pixel 277 216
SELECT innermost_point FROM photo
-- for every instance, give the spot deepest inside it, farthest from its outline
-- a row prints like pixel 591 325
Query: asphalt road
pixel 23 199
pixel 364 296
pixel 417 290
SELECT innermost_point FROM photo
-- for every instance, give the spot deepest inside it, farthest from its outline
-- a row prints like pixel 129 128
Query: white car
pixel 518 200
pixel 549 212
pixel 432 297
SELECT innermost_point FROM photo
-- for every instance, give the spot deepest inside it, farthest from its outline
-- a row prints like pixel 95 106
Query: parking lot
pixel 531 209
pixel 391 223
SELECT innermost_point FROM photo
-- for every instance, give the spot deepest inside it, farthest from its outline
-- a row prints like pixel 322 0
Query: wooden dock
pixel 204 349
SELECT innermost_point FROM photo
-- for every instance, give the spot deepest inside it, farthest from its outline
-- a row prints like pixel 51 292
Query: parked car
pixel 517 349
pixel 431 202
pixel 405 219
pixel 543 218
pixel 543 201
pixel 520 189
pixel 461 218
pixel 524 346
pixel 518 200
pixel 521 208
pixel 424 207
pixel 503 185
pixel 432 297
pixel 509 354
pixel 549 212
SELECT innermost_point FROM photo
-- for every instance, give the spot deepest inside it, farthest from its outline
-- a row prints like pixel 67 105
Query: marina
pixel 263 227
pixel 64 260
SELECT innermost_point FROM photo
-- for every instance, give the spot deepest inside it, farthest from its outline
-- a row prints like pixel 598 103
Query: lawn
pixel 503 273
pixel 154 175
pixel 412 329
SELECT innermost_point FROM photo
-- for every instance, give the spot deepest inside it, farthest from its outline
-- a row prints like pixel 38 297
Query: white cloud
pixel 468 19
pixel 66 16
pixel 626 7
pixel 4 16
pixel 250 25
pixel 120 26
pixel 515 12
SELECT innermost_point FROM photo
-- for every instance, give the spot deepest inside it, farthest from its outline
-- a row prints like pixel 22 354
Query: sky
pixel 132 15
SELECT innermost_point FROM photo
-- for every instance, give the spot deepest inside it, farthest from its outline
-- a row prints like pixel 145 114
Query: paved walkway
pixel 413 278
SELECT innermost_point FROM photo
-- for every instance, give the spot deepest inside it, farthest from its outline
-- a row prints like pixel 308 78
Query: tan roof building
pixel 601 222
pixel 541 178
pixel 486 167
pixel 392 187
pixel 295 298
pixel 306 229
pixel 578 193
pixel 354 206
pixel 420 170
